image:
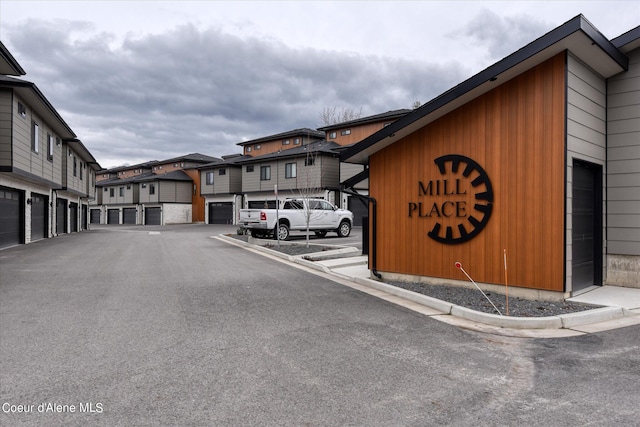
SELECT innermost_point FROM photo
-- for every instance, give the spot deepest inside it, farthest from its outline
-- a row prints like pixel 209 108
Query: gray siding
pixel 623 159
pixel 586 135
pixel 235 179
pixel 6 108
pixel 174 191
pixel 330 172
pixel 251 180
pixel 221 182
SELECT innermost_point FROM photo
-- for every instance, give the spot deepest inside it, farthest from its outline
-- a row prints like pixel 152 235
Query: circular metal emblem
pixel 473 224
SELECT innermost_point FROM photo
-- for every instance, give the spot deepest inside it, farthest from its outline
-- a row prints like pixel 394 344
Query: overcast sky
pixel 140 81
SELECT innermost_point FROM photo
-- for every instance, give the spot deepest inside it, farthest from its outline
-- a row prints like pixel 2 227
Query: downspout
pixel 374 245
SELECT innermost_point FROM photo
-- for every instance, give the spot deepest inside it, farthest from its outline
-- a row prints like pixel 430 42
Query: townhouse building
pixel 47 175
pixel 533 165
pixel 296 162
pixel 151 193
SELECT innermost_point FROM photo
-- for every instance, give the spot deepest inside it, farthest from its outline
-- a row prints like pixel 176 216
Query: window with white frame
pixel 290 170
pixel 35 137
pixel 50 147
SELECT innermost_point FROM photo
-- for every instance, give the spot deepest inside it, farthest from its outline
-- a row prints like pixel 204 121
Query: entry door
pixel 61 216
pixel 587 225
pixel 73 217
pixel 39 216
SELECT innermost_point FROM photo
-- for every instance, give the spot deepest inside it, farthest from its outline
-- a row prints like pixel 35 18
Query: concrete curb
pixel 565 321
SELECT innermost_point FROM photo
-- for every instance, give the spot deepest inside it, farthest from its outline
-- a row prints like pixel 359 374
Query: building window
pixel 152 189
pixel 82 166
pixel 265 173
pixel 222 171
pixel 106 189
pixel 333 135
pixel 121 191
pixel 21 110
pixel 296 141
pixel 286 142
pixel 249 168
pixel 257 147
pixel 35 137
pixel 209 179
pixel 248 149
pixel 75 166
pixel 50 147
pixel 290 170
pixel 144 185
pixel 310 161
pixel 111 192
pixel 345 132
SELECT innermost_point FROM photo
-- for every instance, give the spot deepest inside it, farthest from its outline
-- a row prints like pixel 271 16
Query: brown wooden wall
pixel 517 134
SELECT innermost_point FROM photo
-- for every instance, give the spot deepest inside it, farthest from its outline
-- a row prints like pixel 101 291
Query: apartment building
pixel 533 163
pixel 47 175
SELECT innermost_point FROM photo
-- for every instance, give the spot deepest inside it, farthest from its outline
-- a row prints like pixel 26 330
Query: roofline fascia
pixel 578 23
pixel 30 85
pixel 13 63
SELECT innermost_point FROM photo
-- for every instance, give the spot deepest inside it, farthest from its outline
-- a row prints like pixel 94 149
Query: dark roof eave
pixel 30 92
pixel 9 65
pixel 481 83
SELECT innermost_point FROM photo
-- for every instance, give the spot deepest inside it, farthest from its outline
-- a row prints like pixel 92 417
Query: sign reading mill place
pixel 458 204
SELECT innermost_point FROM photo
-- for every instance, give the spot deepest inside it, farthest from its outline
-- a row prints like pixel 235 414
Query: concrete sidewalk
pixel 345 265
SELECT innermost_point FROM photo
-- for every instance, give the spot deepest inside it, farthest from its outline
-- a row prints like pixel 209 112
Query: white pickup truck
pixel 323 217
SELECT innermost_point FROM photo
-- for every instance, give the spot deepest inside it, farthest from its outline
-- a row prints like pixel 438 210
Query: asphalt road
pixel 139 326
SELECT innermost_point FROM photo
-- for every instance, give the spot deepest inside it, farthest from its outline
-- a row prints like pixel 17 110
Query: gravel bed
pixel 473 299
pixel 470 298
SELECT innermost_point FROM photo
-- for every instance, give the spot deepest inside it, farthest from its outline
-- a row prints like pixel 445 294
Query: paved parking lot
pixel 168 326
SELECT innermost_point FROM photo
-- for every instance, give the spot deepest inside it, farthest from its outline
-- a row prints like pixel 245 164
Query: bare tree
pixel 331 115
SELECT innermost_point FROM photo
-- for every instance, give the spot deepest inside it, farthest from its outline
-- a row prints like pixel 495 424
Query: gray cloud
pixel 502 35
pixel 192 90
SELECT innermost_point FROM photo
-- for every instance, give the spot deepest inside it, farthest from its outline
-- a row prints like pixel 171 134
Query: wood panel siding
pixel 623 160
pixel 516 134
pixel 356 133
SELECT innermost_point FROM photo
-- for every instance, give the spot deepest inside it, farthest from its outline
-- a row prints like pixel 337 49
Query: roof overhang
pixel 8 64
pixel 40 104
pixel 577 36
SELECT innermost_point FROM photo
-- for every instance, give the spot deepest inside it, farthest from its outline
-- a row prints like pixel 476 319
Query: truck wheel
pixel 321 233
pixel 345 229
pixel 283 231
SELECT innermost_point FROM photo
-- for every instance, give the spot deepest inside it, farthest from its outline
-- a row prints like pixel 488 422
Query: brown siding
pixel 516 133
pixel 358 132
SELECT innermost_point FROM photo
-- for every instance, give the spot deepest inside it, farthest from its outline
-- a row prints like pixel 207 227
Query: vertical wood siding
pixel 623 160
pixel 516 133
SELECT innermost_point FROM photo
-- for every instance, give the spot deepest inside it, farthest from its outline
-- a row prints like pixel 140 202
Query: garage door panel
pixel 11 218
